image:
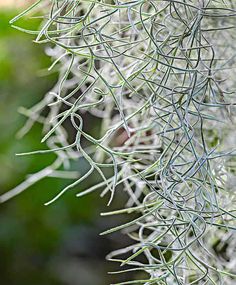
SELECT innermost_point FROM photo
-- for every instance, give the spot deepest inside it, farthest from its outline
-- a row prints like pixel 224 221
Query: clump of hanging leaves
pixel 159 79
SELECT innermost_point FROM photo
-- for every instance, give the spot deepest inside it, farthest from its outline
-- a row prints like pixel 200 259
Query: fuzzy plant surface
pixel 158 77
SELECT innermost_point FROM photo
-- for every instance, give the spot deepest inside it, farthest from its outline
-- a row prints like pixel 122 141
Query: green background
pixel 40 245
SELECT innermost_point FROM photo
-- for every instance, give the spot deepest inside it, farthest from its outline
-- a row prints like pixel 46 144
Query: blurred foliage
pixel 40 245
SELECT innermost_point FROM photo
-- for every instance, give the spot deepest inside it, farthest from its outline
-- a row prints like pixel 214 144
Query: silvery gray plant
pixel 159 76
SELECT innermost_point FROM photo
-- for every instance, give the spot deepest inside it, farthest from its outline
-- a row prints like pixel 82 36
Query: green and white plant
pixel 160 77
